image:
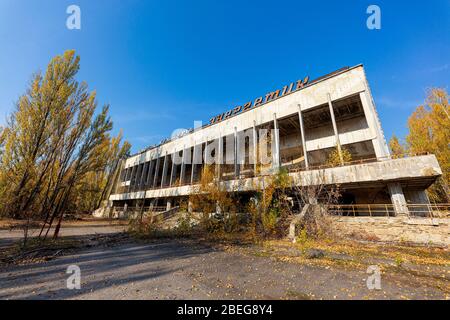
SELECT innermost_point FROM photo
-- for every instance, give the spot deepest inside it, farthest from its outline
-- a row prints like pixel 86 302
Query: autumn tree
pixel 270 206
pixel 397 149
pixel 429 131
pixel 53 141
pixel 211 196
pixel 96 185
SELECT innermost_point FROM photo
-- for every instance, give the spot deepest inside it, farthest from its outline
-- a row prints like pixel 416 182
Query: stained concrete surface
pixel 173 269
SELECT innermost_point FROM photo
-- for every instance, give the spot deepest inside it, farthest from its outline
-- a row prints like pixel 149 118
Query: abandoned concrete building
pixel 309 120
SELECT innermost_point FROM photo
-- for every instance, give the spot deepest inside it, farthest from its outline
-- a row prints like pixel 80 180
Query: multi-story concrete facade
pixel 295 127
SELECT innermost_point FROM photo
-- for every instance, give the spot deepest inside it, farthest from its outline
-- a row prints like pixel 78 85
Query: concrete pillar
pixel 142 179
pixel 398 199
pixel 133 173
pixel 148 179
pixel 336 134
pixel 302 133
pixel 194 165
pixel 137 181
pixel 169 204
pixel 219 158
pixel 276 145
pixel 183 165
pixel 155 177
pixel 121 171
pixel 164 173
pixel 173 171
pixel 255 149
pixel 204 164
pixel 236 163
pixel 150 174
pixel 205 153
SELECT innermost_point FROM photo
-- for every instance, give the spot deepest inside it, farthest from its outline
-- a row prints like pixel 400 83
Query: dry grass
pixel 417 265
pixel 359 251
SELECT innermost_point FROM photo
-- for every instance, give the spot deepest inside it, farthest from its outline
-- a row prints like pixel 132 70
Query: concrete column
pixel 190 206
pixel 141 180
pixel 183 165
pixel 204 164
pixel 276 146
pixel 133 172
pixel 169 204
pixel 194 165
pixel 398 199
pixel 122 171
pixel 164 173
pixel 219 157
pixel 236 164
pixel 302 133
pixel 336 134
pixel 255 149
pixel 173 171
pixel 155 177
pixel 205 153
pixel 137 181
pixel 150 174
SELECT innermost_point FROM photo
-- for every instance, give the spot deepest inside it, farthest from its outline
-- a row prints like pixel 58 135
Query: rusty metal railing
pixel 388 210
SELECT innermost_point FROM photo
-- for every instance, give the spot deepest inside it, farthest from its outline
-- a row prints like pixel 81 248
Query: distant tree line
pixel 57 154
pixel 429 131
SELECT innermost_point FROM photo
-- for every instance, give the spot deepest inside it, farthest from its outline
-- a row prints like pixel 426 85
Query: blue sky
pixel 163 64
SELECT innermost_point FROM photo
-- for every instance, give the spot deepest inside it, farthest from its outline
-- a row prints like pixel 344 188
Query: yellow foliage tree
pixel 397 149
pixel 429 131
pixel 210 197
pixel 335 160
pixel 56 149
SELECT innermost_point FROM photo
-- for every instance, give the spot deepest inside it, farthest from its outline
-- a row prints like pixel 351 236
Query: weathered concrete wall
pixel 396 229
pixel 350 131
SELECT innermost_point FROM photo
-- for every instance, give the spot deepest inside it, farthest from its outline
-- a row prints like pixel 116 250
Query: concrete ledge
pixel 419 170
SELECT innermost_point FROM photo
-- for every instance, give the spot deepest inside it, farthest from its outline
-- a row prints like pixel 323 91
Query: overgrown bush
pixel 270 208
pixel 317 223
